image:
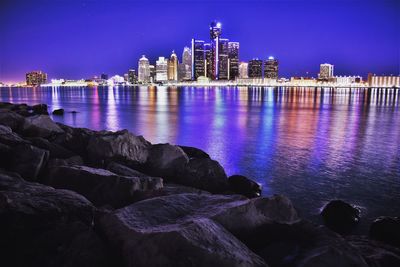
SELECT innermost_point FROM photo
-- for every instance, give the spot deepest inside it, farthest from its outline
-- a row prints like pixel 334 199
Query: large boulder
pixel 12 120
pixel 74 139
pixel 242 185
pixel 100 186
pixel 188 230
pixel 386 229
pixel 58 112
pixel 205 174
pixel 55 150
pixel 8 137
pixel 123 170
pixel 40 126
pixel 340 216
pixel 28 161
pixel 123 146
pixel 40 109
pixel 166 160
pixel 41 226
pixel 194 152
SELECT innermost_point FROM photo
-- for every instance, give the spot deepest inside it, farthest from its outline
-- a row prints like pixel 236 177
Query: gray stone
pixel 40 126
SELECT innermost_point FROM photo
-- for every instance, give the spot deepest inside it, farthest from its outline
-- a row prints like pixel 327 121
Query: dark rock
pixel 376 253
pixel 55 150
pixel 174 189
pixel 340 216
pixel 12 120
pixel 58 112
pixel 386 229
pixel 188 230
pixel 100 186
pixel 74 139
pixel 28 161
pixel 6 106
pixel 4 156
pixel 41 226
pixel 123 146
pixel 242 185
pixel 193 152
pixel 166 160
pixel 205 174
pixel 8 137
pixel 124 170
pixel 40 109
pixel 75 160
pixel 40 126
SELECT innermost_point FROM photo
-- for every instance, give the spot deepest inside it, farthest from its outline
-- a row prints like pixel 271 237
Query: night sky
pixel 79 39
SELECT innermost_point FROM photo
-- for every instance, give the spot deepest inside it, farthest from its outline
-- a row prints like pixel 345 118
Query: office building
pixel 271 68
pixel 35 78
pixel 132 77
pixel 197 59
pixel 104 76
pixel 255 68
pixel 383 80
pixel 143 70
pixel 186 69
pixel 325 71
pixel 233 70
pixel 208 60
pixel 173 67
pixel 161 69
pixel 243 70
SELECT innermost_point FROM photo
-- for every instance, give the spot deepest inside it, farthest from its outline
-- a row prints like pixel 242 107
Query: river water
pixel 312 145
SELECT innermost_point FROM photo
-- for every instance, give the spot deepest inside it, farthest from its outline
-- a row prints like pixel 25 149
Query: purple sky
pixel 79 39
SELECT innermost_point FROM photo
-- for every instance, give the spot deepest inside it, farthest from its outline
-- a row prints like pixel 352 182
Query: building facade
pixel 35 78
pixel 186 68
pixel 198 59
pixel 243 70
pixel 161 70
pixel 325 71
pixel 271 68
pixel 233 69
pixel 132 77
pixel 173 67
pixel 383 81
pixel 255 68
pixel 143 70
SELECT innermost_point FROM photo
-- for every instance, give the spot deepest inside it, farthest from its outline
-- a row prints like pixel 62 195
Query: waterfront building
pixel 132 77
pixel 186 68
pixel 36 78
pixel 255 68
pixel 233 59
pixel 161 69
pixel 117 80
pixel 173 67
pixel 143 70
pixel 208 60
pixel 104 76
pixel 325 71
pixel 197 59
pixel 347 80
pixel 243 70
pixel 383 80
pixel 223 60
pixel 152 73
pixel 271 69
pixel 215 33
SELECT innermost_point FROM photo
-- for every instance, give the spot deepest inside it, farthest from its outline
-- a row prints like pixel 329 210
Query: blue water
pixel 312 145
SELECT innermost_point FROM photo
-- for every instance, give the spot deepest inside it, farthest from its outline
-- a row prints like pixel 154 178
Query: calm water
pixel 308 144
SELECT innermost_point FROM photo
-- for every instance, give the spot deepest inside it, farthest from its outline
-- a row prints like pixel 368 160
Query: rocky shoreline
pixel 78 197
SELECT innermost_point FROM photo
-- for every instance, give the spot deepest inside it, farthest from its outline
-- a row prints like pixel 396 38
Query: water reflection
pixel 311 144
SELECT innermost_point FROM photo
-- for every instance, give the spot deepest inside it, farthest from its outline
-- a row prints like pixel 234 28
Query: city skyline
pixel 357 39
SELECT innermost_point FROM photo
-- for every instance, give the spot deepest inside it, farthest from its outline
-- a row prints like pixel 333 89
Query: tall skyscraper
pixel 223 59
pixel 325 71
pixel 36 78
pixel 233 70
pixel 132 77
pixel 255 68
pixel 197 59
pixel 208 60
pixel 271 68
pixel 161 70
pixel 173 67
pixel 186 64
pixel 215 33
pixel 243 70
pixel 143 70
pixel 152 69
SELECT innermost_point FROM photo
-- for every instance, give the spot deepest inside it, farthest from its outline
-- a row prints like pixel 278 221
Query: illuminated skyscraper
pixel 197 59
pixel 325 71
pixel 271 68
pixel 36 78
pixel 215 33
pixel 143 70
pixel 161 70
pixel 173 67
pixel 233 60
pixel 255 68
pixel 223 59
pixel 132 78
pixel 152 69
pixel 243 70
pixel 208 60
pixel 186 64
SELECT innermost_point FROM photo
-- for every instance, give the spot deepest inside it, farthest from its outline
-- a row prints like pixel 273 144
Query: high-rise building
pixel 223 59
pixel 104 76
pixel 271 68
pixel 215 33
pixel 161 69
pixel 143 70
pixel 197 59
pixel 233 71
pixel 132 77
pixel 208 60
pixel 243 70
pixel 255 68
pixel 173 67
pixel 186 68
pixel 152 73
pixel 325 71
pixel 36 78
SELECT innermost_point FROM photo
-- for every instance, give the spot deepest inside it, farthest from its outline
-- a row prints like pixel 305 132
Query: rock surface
pixel 386 229
pixel 242 185
pixel 58 112
pixel 194 152
pixel 340 216
pixel 40 126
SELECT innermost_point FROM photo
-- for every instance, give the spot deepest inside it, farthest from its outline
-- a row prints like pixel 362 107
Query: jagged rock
pixel 40 126
pixel 386 229
pixel 41 226
pixel 12 120
pixel 58 112
pixel 166 160
pixel 174 189
pixel 8 137
pixel 55 162
pixel 183 230
pixel 40 109
pixel 118 146
pixel 205 174
pixel 4 156
pixel 340 216
pixel 6 105
pixel 242 185
pixel 375 253
pixel 28 161
pixel 193 152
pixel 124 170
pixel 100 186
pixel 55 150
pixel 74 139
